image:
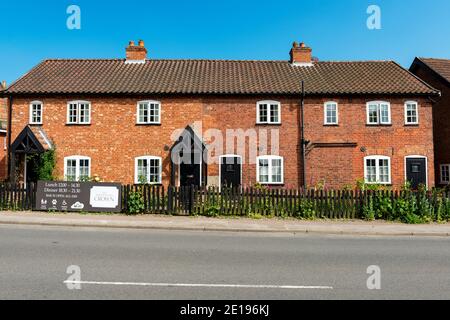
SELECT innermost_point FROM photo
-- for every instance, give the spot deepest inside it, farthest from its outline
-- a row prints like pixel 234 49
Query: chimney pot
pixel 3 84
pixel 141 43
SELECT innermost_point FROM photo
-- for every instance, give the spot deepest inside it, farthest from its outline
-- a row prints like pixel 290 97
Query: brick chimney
pixel 136 53
pixel 301 54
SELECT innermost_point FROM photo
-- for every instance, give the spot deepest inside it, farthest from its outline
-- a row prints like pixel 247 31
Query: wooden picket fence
pixel 16 196
pixel 213 201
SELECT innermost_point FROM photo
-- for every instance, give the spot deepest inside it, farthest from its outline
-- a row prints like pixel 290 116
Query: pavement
pixel 49 262
pixel 186 223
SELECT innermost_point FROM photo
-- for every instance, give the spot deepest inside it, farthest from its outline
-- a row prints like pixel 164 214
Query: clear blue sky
pixel 227 29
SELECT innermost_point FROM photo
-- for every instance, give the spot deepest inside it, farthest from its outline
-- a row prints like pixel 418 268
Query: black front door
pixel 230 171
pixel 190 171
pixel 416 171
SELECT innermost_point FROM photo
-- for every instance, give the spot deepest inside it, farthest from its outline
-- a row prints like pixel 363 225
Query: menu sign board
pixel 78 196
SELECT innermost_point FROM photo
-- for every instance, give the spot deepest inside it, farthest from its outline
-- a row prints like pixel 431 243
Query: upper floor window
pixel 268 112
pixel 36 112
pixel 149 112
pixel 148 169
pixel 269 170
pixel 79 112
pixel 445 173
pixel 378 112
pixel 377 169
pixel 331 113
pixel 411 112
pixel 77 168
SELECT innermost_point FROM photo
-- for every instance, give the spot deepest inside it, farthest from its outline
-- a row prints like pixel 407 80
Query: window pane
pixel 373 113
pixel 411 113
pixel 154 113
pixel 73 113
pixel 263 170
pixel 445 173
pixel 274 113
pixel 263 113
pixel 154 171
pixel 36 113
pixel 143 170
pixel 384 170
pixel 143 113
pixel 84 169
pixel 331 114
pixel 84 112
pixel 276 170
pixel 384 113
pixel 71 170
pixel 371 170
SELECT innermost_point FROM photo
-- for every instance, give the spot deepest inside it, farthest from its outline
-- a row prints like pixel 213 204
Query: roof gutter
pixel 9 126
pixel 303 142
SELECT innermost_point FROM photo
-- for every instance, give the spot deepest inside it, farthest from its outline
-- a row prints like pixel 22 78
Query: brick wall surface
pixel 113 139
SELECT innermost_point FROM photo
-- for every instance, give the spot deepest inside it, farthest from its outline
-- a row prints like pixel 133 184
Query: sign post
pixel 78 196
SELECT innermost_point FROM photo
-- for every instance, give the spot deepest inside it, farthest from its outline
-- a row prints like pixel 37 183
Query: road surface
pixel 146 264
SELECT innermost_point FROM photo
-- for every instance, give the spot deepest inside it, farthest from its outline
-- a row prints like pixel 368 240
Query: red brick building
pixel 436 72
pixel 122 119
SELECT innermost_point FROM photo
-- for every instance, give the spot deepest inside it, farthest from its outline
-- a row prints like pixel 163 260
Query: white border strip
pixel 198 285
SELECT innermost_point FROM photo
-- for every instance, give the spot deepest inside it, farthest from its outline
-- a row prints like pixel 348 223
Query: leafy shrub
pixel 368 212
pixel 382 206
pixel 306 210
pixel 135 202
pixel 42 165
pixel 212 210
pixel 425 209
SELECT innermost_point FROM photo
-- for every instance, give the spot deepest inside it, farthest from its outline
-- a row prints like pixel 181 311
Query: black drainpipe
pixel 9 125
pixel 303 142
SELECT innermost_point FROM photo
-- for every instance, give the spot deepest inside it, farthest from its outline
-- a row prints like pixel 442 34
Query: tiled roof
pixel 217 77
pixel 440 66
pixel 42 137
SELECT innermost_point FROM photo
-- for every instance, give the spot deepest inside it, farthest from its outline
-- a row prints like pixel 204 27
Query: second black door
pixel 416 172
pixel 230 171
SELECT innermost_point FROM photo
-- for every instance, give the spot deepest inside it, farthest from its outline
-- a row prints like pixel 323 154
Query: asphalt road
pixel 143 264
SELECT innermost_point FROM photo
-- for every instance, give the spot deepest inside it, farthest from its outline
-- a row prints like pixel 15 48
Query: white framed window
pixel 77 168
pixel 79 112
pixel 411 112
pixel 378 112
pixel 36 109
pixel 331 115
pixel 148 112
pixel 270 170
pixel 377 169
pixel 148 169
pixel 268 112
pixel 445 173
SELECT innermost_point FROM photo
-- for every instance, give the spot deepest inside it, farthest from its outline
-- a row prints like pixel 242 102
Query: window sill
pixel 268 184
pixel 78 124
pixel 35 124
pixel 411 124
pixel 148 124
pixel 331 125
pixel 379 125
pixel 268 124
pixel 388 184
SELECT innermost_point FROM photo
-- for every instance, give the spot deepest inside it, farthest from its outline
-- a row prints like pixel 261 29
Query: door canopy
pixel 31 140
